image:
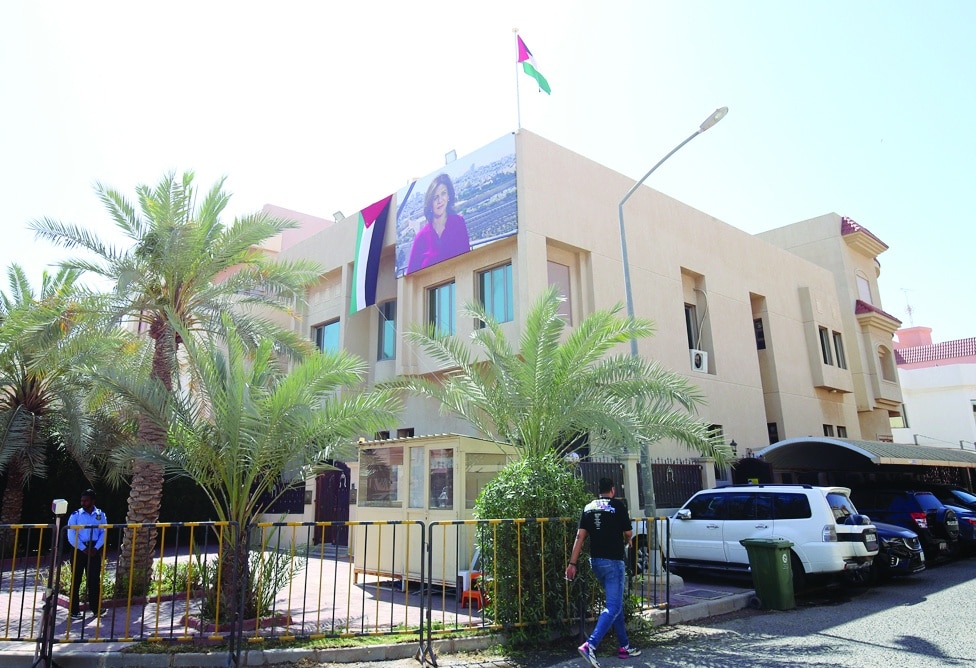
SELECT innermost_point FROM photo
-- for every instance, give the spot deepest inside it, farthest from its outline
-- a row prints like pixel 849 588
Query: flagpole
pixel 518 101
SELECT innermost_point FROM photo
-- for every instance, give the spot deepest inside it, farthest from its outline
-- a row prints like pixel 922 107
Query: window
pixel 707 507
pixel 326 336
pixel 406 432
pixel 828 430
pixel 381 435
pixel 380 475
pixel 900 420
pixel 791 506
pixel 442 478
pixel 559 276
pixel 740 506
pixel 825 346
pixel 386 346
pixel 773 432
pixel 691 325
pixel 864 288
pixel 440 308
pixel 496 293
pixel 886 362
pixel 479 470
pixel 760 334
pixel 839 350
pixel 841 431
pixel 418 474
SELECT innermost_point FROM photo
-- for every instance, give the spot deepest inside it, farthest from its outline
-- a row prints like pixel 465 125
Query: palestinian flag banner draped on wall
pixel 371 223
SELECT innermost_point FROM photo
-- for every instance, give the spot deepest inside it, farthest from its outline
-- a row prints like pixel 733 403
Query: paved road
pixel 923 621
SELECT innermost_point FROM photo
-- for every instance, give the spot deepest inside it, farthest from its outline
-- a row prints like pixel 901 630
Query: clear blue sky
pixel 862 108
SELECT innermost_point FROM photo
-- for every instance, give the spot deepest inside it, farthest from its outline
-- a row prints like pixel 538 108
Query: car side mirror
pixel 683 514
pixel 857 520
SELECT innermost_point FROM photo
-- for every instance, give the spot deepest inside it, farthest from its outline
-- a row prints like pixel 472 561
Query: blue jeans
pixel 610 574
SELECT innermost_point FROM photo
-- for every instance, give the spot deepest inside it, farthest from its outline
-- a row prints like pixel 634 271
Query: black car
pixel 936 525
pixel 899 552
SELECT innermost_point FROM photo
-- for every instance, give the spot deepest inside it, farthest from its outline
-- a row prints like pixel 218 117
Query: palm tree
pixel 247 422
pixel 44 394
pixel 183 270
pixel 560 386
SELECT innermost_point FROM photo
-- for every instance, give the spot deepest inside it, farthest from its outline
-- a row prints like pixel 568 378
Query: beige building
pixel 785 328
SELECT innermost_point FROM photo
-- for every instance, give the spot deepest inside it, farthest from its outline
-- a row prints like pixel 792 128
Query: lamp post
pixel 650 507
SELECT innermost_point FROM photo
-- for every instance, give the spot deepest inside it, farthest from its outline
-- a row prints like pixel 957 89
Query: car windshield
pixel 841 505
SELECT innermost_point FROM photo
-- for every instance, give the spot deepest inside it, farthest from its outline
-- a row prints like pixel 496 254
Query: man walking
pixel 606 521
pixel 87 540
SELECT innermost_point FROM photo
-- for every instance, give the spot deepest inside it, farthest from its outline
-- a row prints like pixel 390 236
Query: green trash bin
pixel 772 572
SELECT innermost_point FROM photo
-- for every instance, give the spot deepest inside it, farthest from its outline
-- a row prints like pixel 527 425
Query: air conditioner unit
pixel 699 360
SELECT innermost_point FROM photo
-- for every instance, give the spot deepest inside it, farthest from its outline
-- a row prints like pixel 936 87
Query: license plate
pixel 922 557
pixel 943 547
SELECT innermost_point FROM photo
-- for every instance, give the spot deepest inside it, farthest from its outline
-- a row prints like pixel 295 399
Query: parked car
pixel 950 495
pixel 899 552
pixel 829 537
pixel 936 525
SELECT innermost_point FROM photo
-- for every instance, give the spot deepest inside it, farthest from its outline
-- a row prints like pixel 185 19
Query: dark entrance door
pixel 332 504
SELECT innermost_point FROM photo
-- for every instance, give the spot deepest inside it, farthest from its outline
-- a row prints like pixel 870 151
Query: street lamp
pixel 651 507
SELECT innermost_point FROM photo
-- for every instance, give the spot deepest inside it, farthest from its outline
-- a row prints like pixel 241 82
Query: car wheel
pixel 799 575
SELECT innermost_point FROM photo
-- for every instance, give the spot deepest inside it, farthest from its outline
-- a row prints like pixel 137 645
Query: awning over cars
pixel 823 452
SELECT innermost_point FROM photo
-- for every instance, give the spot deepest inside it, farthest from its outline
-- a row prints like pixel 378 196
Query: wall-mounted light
pixel 338 216
pixel 450 157
pixel 734 445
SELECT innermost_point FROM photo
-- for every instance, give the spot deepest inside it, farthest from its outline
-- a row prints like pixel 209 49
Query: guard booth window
pixel 442 478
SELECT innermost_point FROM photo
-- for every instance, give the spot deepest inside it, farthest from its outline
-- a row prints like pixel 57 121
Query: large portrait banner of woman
pixel 468 203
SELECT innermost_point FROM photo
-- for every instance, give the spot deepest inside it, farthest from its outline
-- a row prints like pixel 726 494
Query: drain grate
pixel 703 593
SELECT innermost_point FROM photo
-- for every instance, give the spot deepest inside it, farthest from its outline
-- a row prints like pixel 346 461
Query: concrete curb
pixel 109 655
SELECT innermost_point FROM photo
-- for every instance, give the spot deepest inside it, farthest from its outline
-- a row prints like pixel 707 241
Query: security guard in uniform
pixel 87 540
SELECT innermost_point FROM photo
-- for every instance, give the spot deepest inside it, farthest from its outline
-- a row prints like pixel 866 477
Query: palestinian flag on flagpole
pixel 371 223
pixel 528 66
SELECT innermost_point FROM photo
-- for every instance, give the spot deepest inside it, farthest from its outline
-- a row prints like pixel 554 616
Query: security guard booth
pixel 421 479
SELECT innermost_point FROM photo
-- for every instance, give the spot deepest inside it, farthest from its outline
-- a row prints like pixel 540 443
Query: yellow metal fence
pixel 206 582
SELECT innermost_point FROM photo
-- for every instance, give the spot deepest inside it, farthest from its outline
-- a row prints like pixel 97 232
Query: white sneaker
pixel 587 653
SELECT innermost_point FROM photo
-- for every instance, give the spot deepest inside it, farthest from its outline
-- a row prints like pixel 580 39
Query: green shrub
pixel 525 565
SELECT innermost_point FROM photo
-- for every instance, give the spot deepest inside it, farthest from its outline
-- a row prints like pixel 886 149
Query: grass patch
pixel 210 647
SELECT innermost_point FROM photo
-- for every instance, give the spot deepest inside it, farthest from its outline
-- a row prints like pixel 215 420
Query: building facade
pixel 782 331
pixel 939 385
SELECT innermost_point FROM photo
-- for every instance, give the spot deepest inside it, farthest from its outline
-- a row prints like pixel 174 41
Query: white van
pixel 828 535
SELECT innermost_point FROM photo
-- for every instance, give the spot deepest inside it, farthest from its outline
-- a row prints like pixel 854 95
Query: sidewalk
pixel 695 600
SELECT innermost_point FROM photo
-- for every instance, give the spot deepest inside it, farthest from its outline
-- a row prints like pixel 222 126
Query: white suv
pixel 828 535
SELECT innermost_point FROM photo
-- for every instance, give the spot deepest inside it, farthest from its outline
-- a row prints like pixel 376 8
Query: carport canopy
pixel 821 453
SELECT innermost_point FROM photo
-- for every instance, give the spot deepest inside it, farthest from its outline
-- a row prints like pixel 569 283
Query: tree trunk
pixel 146 492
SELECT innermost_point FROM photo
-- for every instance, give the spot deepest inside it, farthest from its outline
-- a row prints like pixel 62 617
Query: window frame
pixel 561 275
pixel 839 350
pixel 757 324
pixel 386 329
pixel 691 326
pixel 434 307
pixel 487 292
pixel 319 335
pixel 825 346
